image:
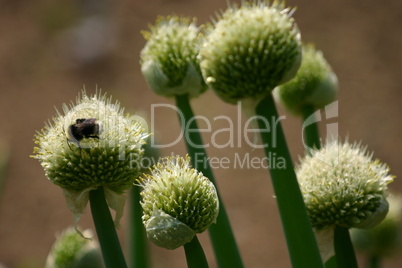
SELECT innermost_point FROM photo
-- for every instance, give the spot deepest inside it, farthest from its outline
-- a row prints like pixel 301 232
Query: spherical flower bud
pixel 251 50
pixel 92 145
pixel 73 251
pixel 315 84
pixel 169 59
pixel 385 239
pixel 342 186
pixel 178 202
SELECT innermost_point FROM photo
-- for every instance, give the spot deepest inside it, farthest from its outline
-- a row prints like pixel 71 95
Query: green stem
pixel 223 241
pixel 4 161
pixel 195 254
pixel 374 262
pixel 105 229
pixel 331 263
pixel 301 242
pixel 310 131
pixel 344 251
pixel 138 241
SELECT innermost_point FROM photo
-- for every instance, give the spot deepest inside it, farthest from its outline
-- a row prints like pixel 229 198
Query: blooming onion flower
pixel 315 84
pixel 92 145
pixel 342 186
pixel 178 202
pixel 250 50
pixel 169 59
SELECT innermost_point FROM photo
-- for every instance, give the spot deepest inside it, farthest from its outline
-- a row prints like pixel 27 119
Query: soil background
pixel 47 55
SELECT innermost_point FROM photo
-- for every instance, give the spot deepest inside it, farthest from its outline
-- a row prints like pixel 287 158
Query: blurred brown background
pixel 49 51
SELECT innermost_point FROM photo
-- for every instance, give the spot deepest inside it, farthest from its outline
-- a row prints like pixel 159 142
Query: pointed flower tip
pixel 342 185
pixel 250 50
pixel 169 59
pixel 178 202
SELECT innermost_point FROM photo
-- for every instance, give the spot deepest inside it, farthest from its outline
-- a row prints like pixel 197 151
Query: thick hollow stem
pixel 138 241
pixel 223 241
pixel 344 251
pixel 301 242
pixel 195 254
pixel 106 231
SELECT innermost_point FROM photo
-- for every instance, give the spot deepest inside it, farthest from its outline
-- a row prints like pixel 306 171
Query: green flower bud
pixel 178 202
pixel 385 239
pixel 251 50
pixel 343 186
pixel 315 84
pixel 71 250
pixel 93 144
pixel 169 59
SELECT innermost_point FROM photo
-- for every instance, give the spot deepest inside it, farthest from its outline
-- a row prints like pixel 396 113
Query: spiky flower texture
pixel 169 59
pixel 250 50
pixel 107 153
pixel 315 84
pixel 178 202
pixel 343 186
pixel 385 239
pixel 73 251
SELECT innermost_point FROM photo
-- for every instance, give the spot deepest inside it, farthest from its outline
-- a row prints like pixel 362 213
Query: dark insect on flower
pixel 102 137
pixel 83 128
